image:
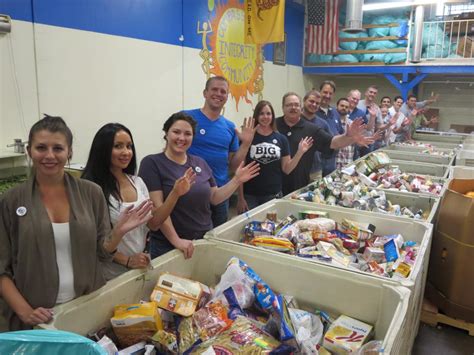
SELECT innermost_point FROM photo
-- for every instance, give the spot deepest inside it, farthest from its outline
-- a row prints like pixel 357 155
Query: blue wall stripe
pixel 17 9
pixel 152 20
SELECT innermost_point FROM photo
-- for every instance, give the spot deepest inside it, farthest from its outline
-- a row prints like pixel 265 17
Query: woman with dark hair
pixel 271 149
pixel 112 165
pixel 191 217
pixel 54 231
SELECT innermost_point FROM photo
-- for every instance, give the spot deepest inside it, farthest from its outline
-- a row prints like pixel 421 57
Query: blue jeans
pixel 220 213
pixel 254 200
pixel 159 247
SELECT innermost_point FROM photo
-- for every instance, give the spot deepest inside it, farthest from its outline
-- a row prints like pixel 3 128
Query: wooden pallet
pixel 430 315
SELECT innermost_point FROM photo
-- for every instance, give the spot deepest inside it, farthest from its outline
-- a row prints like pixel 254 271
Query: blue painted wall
pixel 152 20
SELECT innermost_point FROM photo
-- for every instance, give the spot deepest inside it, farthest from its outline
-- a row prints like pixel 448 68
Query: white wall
pixel 18 88
pixel 91 79
pixel 456 102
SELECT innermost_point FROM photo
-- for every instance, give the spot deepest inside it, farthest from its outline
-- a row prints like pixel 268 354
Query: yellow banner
pixel 264 21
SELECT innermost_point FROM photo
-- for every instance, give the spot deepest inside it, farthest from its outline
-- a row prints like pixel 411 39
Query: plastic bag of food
pixel 316 224
pixel 187 334
pixel 309 330
pixel 166 342
pixel 241 284
pixel 274 243
pixel 211 320
pixel 243 337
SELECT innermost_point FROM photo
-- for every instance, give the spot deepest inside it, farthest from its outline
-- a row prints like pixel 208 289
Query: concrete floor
pixel 442 340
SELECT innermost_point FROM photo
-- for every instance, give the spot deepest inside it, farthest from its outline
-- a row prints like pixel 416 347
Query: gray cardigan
pixel 27 248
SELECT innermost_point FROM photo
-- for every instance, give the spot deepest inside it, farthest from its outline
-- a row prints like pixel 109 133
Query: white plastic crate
pixel 461 172
pixel 465 157
pixel 419 157
pixel 420 232
pixel 422 168
pixel 427 203
pixel 443 145
pixel 409 148
pixel 439 137
pixel 369 300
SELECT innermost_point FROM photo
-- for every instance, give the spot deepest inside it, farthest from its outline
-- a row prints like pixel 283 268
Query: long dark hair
pixel 98 164
pixel 259 107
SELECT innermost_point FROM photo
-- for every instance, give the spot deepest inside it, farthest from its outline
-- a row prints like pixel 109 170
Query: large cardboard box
pixel 451 268
pixel 465 47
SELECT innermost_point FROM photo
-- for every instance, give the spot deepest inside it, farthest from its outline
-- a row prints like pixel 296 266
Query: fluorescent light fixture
pixel 395 4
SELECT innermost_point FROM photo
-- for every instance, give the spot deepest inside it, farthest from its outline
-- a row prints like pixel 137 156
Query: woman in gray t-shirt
pixel 191 217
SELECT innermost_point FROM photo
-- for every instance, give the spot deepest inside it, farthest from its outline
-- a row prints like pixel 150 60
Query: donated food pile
pixel 241 315
pixel 350 244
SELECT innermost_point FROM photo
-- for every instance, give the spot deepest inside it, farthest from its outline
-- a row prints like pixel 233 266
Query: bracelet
pixel 128 260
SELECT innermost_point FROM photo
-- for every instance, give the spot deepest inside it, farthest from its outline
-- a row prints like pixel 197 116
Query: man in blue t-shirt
pixel 311 103
pixel 217 140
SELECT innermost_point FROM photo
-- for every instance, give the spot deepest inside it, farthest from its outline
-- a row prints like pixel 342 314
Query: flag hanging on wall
pixel 264 21
pixel 322 30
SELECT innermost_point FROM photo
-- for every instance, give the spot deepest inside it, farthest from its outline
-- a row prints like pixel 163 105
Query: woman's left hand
pixel 131 217
pixel 247 172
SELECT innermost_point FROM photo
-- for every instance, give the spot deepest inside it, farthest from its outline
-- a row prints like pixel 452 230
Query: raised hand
pixel 356 128
pixel 378 135
pixel 132 217
pixel 305 144
pixel 247 172
pixel 184 183
pixel 248 131
pixel 372 110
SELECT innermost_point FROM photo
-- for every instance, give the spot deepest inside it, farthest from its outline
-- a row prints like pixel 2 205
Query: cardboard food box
pixel 451 267
pixel 465 48
pixel 133 323
pixel 177 294
pixel 346 335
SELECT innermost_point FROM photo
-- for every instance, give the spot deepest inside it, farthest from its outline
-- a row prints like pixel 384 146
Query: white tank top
pixel 62 240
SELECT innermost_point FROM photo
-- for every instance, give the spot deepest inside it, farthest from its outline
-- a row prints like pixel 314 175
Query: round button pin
pixel 288 134
pixel 198 169
pixel 275 141
pixel 21 211
pixel 202 131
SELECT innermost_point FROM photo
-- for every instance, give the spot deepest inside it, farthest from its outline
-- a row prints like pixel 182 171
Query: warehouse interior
pixel 137 62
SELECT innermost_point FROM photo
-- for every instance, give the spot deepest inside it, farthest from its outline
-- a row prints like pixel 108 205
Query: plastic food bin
pixel 422 168
pixel 437 137
pixel 369 300
pixel 409 148
pixel 410 229
pixel 419 157
pixel 461 172
pixel 427 203
pixel 465 158
pixel 443 145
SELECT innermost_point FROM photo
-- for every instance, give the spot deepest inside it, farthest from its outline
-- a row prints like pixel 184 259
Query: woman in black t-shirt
pixel 271 149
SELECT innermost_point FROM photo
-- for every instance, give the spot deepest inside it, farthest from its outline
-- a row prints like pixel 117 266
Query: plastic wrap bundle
pixel 319 59
pixel 392 58
pixel 345 58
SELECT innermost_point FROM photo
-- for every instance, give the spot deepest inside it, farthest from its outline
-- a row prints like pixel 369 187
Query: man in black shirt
pixel 294 128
